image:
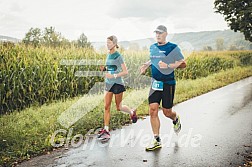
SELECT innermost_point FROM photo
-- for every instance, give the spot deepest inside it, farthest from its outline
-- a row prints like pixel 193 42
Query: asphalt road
pixel 216 131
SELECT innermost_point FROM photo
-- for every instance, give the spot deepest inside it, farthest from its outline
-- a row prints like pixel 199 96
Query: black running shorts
pixel 167 96
pixel 114 88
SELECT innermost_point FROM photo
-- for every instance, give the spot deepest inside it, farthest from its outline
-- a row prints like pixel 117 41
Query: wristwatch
pixel 115 76
pixel 168 66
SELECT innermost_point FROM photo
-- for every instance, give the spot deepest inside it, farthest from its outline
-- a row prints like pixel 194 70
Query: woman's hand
pixel 109 76
pixel 103 68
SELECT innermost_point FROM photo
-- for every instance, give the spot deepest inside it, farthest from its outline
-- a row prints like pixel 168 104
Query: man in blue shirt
pixel 165 57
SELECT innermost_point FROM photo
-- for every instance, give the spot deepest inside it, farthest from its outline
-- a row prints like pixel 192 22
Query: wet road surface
pixel 216 131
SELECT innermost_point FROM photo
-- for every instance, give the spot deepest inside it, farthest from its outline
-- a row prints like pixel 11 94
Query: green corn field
pixel 34 76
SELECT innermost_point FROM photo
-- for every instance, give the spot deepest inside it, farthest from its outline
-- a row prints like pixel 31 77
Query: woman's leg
pixel 107 105
pixel 119 106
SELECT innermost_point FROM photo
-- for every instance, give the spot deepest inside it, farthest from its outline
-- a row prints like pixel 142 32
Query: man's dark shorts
pixel 167 96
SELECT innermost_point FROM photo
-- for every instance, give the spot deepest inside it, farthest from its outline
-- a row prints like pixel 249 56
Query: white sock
pixel 106 128
pixel 132 112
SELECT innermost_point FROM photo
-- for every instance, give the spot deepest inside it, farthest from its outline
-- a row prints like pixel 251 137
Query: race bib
pixel 157 85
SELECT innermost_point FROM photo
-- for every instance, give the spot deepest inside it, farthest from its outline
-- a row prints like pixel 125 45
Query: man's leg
pixel 167 103
pixel 154 101
pixel 154 119
pixel 155 124
pixel 174 117
pixel 169 113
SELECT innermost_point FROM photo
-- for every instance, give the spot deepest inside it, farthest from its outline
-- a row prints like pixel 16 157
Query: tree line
pixel 51 38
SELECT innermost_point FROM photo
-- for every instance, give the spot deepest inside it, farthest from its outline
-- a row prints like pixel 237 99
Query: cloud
pixel 16 7
pixel 127 18
pixel 13 26
pixel 139 8
pixel 153 9
pixel 177 15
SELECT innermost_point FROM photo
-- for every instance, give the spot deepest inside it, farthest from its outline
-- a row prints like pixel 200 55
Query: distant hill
pixel 10 39
pixel 187 41
pixel 192 40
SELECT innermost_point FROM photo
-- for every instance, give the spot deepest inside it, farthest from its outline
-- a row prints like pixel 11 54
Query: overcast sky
pixel 127 19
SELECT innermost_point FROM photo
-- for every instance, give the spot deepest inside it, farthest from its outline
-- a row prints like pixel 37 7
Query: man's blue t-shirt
pixel 168 53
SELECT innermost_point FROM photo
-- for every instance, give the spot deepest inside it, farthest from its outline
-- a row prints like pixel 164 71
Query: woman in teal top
pixel 115 69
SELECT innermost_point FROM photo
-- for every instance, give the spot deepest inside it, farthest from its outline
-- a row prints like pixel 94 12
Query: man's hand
pixel 162 65
pixel 177 64
pixel 182 65
pixel 143 69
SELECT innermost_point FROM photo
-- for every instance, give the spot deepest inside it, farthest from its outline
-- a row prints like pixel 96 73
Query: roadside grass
pixel 27 133
pixel 187 89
